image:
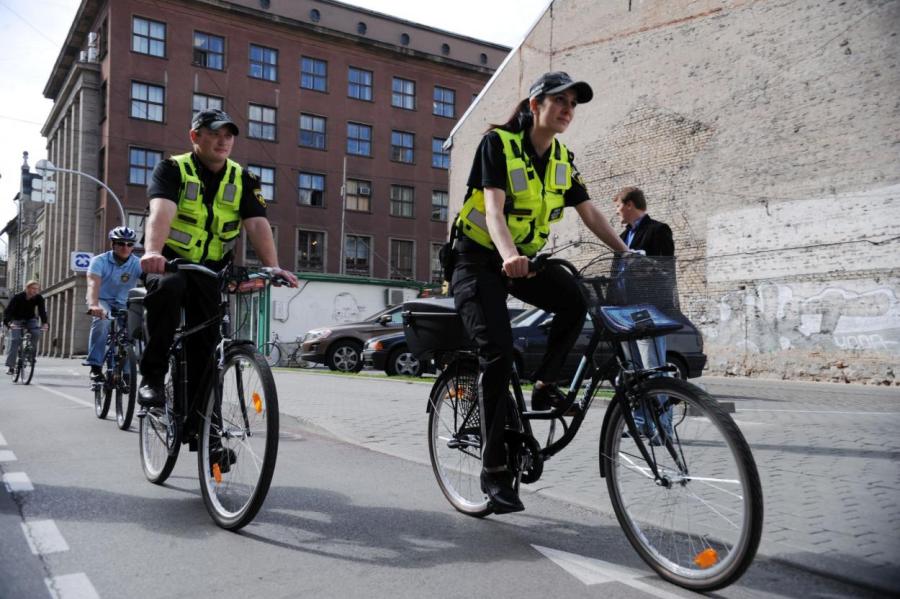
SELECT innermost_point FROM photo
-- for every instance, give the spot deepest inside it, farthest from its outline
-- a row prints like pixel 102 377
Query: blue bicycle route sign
pixel 80 261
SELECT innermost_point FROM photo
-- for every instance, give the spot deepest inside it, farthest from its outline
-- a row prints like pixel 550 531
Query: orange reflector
pixel 451 391
pixel 707 558
pixel 217 473
pixel 257 402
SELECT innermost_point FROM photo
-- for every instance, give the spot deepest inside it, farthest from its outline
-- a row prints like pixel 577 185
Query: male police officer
pixel 198 202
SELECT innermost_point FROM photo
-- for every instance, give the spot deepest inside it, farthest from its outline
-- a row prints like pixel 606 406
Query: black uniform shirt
pixel 489 170
pixel 21 308
pixel 166 183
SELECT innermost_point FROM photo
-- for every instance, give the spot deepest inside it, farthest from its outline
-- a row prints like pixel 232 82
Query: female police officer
pixel 521 179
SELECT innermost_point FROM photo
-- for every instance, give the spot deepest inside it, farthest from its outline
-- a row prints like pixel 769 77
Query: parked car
pixel 684 348
pixel 340 346
pixel 390 353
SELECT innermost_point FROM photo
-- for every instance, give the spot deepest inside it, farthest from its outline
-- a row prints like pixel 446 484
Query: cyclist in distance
pixel 21 312
pixel 109 278
pixel 521 180
pixel 198 202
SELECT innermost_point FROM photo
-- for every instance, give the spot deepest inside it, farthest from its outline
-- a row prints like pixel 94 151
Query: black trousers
pixel 480 291
pixel 166 294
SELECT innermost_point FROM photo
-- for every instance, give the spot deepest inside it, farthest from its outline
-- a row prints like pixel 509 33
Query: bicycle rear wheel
pixel 28 367
pixel 239 439
pixel 272 353
pixel 454 439
pixel 699 527
pixel 126 391
pixel 159 434
pixel 103 394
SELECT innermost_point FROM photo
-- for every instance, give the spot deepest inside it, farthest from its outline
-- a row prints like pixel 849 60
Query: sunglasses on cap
pixel 125 243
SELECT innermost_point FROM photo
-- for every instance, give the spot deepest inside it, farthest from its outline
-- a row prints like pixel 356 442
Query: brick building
pixel 313 85
pixel 765 133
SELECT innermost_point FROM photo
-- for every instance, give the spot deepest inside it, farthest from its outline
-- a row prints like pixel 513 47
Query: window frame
pixel 439 155
pixel 439 104
pixel 316 77
pixel 147 102
pixel 398 96
pixel 357 195
pixel 401 202
pixel 360 126
pixel 262 182
pixel 195 95
pixel 273 124
pixel 368 245
pixel 323 133
pixel 436 269
pixel 443 209
pixel 395 269
pixel 195 49
pixel 312 176
pixel 398 151
pixel 263 64
pixel 248 248
pixel 361 86
pixel 322 253
pixel 147 170
pixel 149 36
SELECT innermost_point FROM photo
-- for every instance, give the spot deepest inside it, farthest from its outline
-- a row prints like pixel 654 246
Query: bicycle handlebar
pixel 265 272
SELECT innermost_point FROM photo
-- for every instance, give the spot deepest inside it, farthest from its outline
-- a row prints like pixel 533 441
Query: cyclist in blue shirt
pixel 110 276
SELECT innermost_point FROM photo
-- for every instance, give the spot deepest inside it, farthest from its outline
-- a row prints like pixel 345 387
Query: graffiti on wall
pixel 346 308
pixel 772 317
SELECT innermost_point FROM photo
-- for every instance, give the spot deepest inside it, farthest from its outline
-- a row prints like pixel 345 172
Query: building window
pixel 361 28
pixel 358 195
pixel 266 180
pixel 437 271
pixel 103 42
pixel 263 63
pixel 445 49
pixel 402 259
pixel 440 201
pixel 147 101
pixel 402 146
pixel 359 84
pixel 261 122
pixel 104 89
pixel 312 131
pixel 209 51
pixel 402 201
pixel 136 224
pixel 250 257
pixel 148 37
pixel 140 165
pixel 483 58
pixel 359 139
pixel 312 189
pixel 444 102
pixel 315 15
pixel 204 102
pixel 356 255
pixel 440 158
pixel 404 39
pixel 403 93
pixel 310 251
pixel 313 74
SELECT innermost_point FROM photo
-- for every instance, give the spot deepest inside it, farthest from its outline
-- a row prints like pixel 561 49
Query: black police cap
pixel 213 119
pixel 557 82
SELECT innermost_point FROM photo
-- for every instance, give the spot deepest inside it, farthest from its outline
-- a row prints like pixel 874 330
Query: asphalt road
pixel 341 520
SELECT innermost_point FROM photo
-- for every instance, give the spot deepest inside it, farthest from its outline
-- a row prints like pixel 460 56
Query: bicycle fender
pixel 604 430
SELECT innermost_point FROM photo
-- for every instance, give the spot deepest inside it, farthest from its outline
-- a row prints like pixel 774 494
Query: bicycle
pixel 684 486
pixel 120 372
pixel 273 352
pixel 24 368
pixel 234 428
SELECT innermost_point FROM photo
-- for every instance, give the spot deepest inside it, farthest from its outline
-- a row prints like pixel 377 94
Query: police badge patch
pixel 125 277
pixel 257 193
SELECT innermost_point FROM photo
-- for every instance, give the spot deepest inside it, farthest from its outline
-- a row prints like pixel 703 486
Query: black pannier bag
pixel 432 326
pixel 136 313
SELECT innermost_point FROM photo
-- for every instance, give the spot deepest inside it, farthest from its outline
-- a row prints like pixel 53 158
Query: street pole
pixel 48 166
pixel 20 266
pixel 343 213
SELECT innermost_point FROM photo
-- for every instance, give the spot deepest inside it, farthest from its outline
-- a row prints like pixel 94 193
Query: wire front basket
pixel 629 279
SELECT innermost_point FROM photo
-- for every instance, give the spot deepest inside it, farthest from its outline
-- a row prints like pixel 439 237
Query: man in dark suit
pixel 655 239
pixel 641 231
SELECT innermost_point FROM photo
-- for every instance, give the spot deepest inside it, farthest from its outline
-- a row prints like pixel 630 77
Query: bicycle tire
pixel 102 396
pixel 702 529
pixel 17 370
pixel 238 439
pixel 28 366
pixel 124 413
pixel 454 439
pixel 272 353
pixel 159 440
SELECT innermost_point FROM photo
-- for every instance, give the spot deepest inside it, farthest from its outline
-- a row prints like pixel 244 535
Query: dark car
pixel 684 348
pixel 391 353
pixel 340 346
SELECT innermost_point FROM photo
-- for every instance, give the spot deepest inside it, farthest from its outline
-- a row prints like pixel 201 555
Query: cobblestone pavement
pixel 827 454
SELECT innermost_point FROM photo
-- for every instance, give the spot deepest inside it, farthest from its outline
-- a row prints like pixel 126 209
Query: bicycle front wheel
pixel 239 439
pixel 28 368
pixel 699 524
pixel 454 439
pixel 102 396
pixel 126 392
pixel 272 353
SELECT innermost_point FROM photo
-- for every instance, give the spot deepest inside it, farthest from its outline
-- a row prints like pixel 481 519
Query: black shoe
pixel 224 457
pixel 97 374
pixel 548 396
pixel 499 489
pixel 151 394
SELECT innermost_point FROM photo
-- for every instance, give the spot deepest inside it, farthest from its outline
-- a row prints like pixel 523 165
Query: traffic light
pixel 27 184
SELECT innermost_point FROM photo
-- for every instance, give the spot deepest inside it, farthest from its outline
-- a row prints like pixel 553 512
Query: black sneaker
pixel 498 486
pixel 151 394
pixel 224 457
pixel 96 374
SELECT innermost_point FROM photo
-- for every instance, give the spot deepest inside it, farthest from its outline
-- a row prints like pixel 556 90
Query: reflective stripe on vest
pixel 531 204
pixel 188 235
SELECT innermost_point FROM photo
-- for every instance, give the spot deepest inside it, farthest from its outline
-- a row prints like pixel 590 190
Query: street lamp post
pixel 46 165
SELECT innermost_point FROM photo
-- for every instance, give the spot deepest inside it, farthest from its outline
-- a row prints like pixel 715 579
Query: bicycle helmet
pixel 123 234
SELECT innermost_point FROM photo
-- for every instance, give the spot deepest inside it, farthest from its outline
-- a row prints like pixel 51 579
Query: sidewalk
pixel 827 455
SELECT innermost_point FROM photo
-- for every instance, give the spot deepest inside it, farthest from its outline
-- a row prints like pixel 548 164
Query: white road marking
pixel 823 412
pixel 7 455
pixel 594 571
pixel 71 586
pixel 44 537
pixel 2 440
pixel 82 402
pixel 17 482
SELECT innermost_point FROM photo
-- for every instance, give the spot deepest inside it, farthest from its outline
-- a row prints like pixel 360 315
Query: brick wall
pixel 767 134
